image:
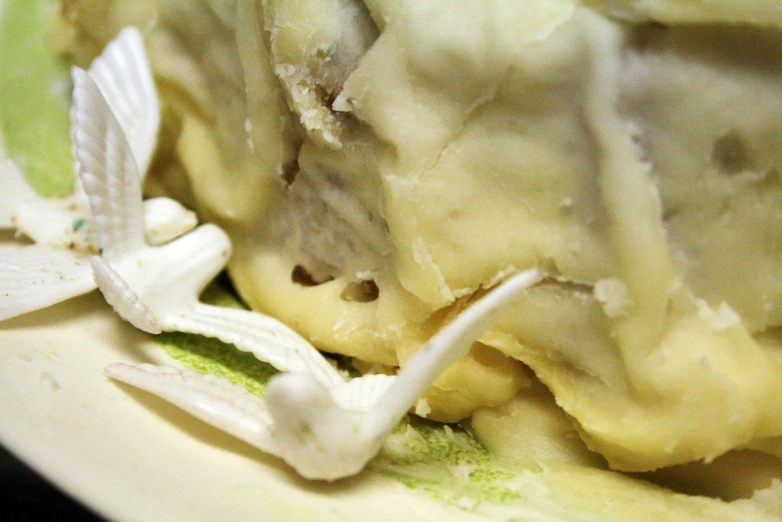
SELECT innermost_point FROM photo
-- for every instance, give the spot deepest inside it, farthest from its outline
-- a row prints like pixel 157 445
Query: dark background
pixel 25 496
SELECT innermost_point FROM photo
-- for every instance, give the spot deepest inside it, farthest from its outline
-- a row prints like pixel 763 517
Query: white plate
pixel 130 456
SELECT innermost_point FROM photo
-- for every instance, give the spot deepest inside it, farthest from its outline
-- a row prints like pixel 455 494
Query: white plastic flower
pixel 156 287
pixel 56 267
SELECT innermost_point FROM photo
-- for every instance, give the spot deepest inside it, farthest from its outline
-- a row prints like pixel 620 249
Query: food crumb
pixel 422 408
pixel 613 296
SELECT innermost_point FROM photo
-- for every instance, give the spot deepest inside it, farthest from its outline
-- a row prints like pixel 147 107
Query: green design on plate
pixel 447 463
pixel 207 355
pixel 34 96
pixel 212 356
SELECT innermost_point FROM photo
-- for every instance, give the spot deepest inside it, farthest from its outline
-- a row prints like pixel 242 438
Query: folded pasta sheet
pixel 379 164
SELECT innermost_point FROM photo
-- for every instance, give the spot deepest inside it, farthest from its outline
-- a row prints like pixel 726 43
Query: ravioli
pixel 379 165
